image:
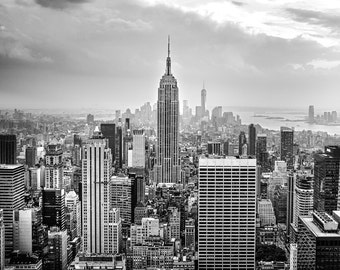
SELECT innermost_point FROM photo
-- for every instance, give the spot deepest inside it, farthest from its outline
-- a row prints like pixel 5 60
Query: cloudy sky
pixel 111 53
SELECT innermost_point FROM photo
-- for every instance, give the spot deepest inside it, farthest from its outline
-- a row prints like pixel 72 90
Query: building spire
pixel 168 60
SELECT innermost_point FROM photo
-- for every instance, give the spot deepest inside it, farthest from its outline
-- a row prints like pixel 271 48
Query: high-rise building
pixel 109 132
pixel 168 169
pixel 53 208
pixel 203 101
pixel 138 152
pixel 318 241
pixel 261 151
pixel 96 174
pixel 54 166
pixel 115 231
pixel 90 119
pixel 72 203
pixel 251 140
pixel 2 240
pixel 56 258
pixel 214 148
pixel 8 149
pixel 242 140
pixel 303 205
pixel 227 215
pixel 190 234
pixel 287 146
pixel 121 197
pixel 12 188
pixel 326 180
pixel 311 114
pixel 266 212
pixel 119 145
pixel 29 235
pixel 31 156
pixel 174 223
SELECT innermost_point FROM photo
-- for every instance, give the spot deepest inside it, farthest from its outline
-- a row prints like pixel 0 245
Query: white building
pixel 115 231
pixel 72 203
pixel 138 152
pixel 54 166
pixel 96 174
pixel 139 233
pixel 227 215
pixel 266 212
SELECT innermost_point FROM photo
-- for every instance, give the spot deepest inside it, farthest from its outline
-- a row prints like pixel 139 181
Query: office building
pixel 190 232
pixel 326 180
pixel 214 148
pixel 115 231
pixel 318 241
pixel 266 212
pixel 140 233
pixel 174 223
pixel 287 146
pixel 73 204
pixel 119 145
pixel 311 114
pixel 138 152
pixel 242 140
pixel 54 166
pixel 261 151
pixel 8 149
pixel 29 235
pixel 227 214
pixel 90 119
pixel 12 188
pixel 303 205
pixel 31 156
pixel 251 140
pixel 203 102
pixel 167 169
pixel 53 208
pixel 56 258
pixel 96 174
pixel 109 132
pixel 121 197
pixel 2 240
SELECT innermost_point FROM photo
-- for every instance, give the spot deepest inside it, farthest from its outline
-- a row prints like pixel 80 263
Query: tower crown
pixel 168 60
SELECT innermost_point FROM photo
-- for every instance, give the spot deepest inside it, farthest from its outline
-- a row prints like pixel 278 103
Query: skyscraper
pixel 54 166
pixel 252 139
pixel 242 140
pixel 311 114
pixel 31 156
pixel 8 149
pixel 326 180
pixel 138 152
pixel 57 254
pixel 226 217
pixel 53 208
pixel 96 174
pixel 109 132
pixel 2 240
pixel 261 151
pixel 12 188
pixel 167 152
pixel 203 101
pixel 287 145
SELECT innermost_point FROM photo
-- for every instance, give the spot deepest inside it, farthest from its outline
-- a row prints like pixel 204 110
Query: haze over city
pixel 73 54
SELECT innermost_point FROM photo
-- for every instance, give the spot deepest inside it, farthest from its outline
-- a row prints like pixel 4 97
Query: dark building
pixel 12 188
pixel 31 156
pixel 287 146
pixel 261 152
pixel 127 124
pixel 90 119
pixel 326 179
pixel 242 140
pixel 214 148
pixel 8 149
pixel 252 140
pixel 77 140
pixel 109 132
pixel 318 242
pixel 53 208
pixel 119 147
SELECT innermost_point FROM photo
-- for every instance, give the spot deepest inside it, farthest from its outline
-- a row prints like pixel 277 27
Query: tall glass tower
pixel 168 163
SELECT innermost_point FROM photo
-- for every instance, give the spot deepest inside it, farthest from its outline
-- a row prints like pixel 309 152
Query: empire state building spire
pixel 167 168
pixel 168 60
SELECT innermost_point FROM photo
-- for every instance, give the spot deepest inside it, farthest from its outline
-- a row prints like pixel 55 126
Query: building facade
pixel 227 213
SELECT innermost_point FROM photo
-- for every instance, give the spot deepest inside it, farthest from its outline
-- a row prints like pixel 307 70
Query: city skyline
pixel 70 50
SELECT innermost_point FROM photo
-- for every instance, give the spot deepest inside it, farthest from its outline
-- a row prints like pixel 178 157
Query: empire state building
pixel 167 169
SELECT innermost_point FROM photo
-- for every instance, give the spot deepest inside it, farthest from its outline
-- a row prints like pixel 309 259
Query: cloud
pixel 316 18
pixel 59 4
pixel 238 3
